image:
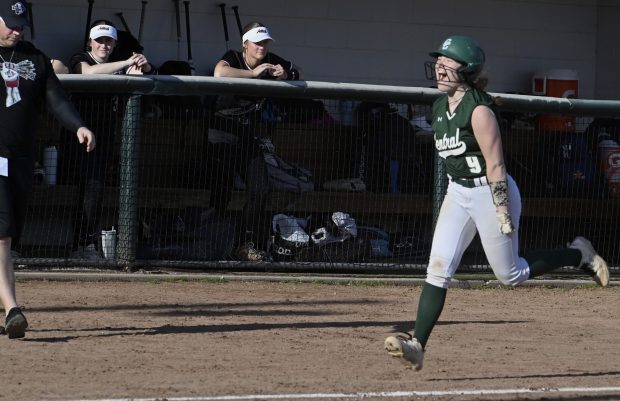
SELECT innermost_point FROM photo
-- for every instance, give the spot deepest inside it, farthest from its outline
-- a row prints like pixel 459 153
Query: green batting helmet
pixel 466 51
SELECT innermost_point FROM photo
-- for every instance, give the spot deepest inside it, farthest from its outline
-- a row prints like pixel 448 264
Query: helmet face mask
pixel 466 51
pixel 430 68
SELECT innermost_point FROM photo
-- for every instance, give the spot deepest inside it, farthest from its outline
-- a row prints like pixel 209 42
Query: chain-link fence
pixel 296 176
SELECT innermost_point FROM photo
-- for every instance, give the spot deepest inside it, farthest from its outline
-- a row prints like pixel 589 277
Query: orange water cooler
pixel 556 83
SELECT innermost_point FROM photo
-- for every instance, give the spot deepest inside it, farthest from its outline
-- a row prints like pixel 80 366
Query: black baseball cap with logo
pixel 14 13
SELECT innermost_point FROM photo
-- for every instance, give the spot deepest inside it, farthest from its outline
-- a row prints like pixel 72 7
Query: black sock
pixel 545 260
pixel 430 306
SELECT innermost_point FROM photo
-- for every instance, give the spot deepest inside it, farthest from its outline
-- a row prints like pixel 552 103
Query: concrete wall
pixel 607 82
pixel 366 41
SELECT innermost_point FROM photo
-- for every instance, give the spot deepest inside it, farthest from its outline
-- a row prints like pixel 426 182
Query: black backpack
pixel 574 170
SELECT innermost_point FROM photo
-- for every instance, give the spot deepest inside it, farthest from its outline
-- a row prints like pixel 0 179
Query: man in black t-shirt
pixel 246 158
pixel 28 77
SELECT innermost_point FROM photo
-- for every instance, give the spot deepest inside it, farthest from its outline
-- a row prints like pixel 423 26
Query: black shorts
pixel 15 193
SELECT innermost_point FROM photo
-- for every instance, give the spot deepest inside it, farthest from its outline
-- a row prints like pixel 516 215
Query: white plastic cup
pixel 108 243
pixel 50 164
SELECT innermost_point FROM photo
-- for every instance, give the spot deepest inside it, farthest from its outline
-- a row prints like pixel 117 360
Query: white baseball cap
pixel 103 30
pixel 256 35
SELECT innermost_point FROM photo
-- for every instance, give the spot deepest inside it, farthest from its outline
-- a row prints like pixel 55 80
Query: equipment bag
pixel 285 176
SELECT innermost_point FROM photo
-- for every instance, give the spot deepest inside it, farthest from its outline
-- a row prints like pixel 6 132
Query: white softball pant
pixel 463 212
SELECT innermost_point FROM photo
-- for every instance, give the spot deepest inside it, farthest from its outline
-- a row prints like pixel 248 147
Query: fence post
pixel 128 182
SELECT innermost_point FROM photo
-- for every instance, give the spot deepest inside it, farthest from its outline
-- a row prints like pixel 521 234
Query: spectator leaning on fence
pixel 481 198
pixel 101 111
pixel 28 78
pixel 253 61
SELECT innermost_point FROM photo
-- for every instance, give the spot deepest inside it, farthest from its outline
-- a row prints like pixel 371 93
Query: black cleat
pixel 16 324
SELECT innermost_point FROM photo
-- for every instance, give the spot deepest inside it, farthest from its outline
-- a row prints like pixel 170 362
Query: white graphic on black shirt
pixel 11 73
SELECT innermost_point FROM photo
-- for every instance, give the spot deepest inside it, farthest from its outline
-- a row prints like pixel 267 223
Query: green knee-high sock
pixel 430 306
pixel 545 260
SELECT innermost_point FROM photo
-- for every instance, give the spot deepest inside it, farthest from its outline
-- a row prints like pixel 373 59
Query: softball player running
pixel 481 196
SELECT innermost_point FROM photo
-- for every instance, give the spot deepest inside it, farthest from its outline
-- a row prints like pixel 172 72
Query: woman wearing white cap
pixel 255 60
pixel 102 111
pixel 246 157
pixel 102 41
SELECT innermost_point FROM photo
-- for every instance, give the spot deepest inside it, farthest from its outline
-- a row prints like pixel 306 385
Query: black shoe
pixel 16 323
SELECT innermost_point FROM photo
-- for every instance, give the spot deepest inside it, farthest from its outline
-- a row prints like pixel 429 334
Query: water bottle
pixel 609 157
pixel 50 164
pixel 108 243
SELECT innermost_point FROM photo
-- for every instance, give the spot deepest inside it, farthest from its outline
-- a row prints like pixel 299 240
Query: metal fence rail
pixel 165 156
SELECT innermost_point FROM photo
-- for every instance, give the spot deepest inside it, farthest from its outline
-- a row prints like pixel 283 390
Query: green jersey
pixel 454 137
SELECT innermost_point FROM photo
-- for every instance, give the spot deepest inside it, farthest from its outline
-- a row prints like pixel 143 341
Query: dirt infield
pixel 164 340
